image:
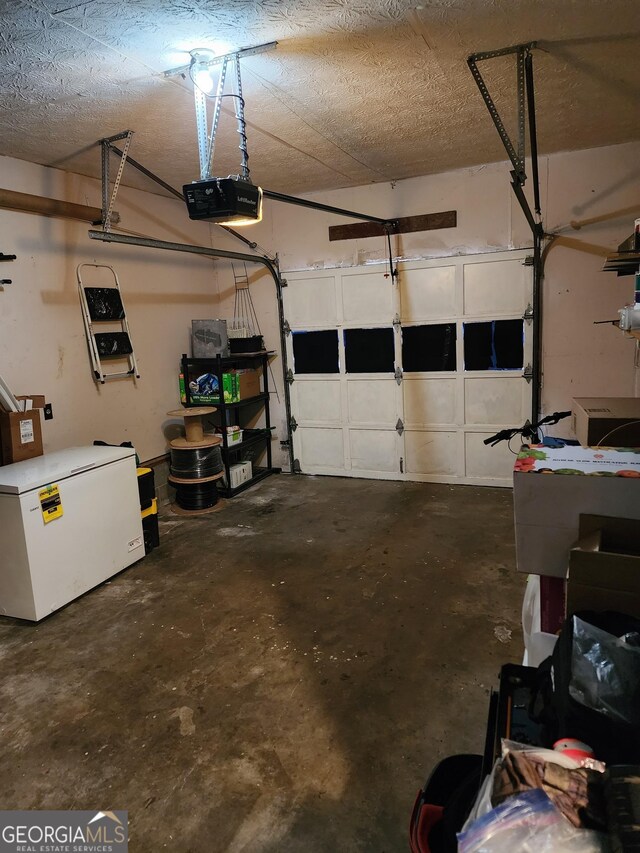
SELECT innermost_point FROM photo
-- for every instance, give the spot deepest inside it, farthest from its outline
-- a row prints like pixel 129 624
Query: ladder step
pixel 113 344
pixel 104 303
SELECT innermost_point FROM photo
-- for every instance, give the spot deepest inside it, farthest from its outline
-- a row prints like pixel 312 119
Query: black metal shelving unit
pixel 252 439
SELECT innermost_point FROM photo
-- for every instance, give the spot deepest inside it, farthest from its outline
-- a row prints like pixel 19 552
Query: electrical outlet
pixel 48 411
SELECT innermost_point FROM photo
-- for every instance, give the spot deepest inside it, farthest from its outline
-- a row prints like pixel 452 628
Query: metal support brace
pixel 106 148
pixel 106 223
pixel 526 109
pixel 521 51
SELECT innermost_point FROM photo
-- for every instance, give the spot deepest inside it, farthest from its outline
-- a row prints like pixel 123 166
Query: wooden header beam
pixel 404 225
pixel 27 203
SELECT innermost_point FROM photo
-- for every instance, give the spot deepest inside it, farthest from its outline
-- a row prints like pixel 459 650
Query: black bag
pixel 562 716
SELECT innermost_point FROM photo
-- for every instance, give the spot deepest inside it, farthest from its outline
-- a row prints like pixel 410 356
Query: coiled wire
pixel 196 463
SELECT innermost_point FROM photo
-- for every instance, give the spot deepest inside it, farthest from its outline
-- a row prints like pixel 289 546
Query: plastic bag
pixel 528 823
pixel 605 672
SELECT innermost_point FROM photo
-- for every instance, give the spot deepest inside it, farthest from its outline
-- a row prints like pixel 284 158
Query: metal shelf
pixel 255 437
pixel 260 474
pixel 231 359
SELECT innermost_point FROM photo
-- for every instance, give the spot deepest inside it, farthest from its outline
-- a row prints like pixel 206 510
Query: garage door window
pixel 429 348
pixel 494 345
pixel 369 350
pixel 316 352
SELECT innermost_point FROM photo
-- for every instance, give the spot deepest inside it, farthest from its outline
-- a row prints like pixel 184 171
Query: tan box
pixel 20 435
pixel 553 487
pixel 248 384
pixel 604 566
pixel 595 417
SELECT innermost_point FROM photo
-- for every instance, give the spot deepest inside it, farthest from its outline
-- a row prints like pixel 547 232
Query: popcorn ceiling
pixel 356 92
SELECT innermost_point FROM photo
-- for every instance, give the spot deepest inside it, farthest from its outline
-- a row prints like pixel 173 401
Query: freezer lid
pixel 35 473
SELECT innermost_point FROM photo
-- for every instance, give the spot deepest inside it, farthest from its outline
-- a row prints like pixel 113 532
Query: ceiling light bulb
pixel 203 80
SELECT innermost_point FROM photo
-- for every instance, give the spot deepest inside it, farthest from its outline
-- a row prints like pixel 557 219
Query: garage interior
pixel 299 302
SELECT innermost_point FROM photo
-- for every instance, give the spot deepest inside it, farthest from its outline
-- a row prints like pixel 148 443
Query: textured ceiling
pixel 356 91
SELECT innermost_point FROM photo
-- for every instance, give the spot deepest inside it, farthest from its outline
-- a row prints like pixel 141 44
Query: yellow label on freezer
pixel 50 503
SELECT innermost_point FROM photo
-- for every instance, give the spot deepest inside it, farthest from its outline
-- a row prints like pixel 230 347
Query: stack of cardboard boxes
pixel 577 520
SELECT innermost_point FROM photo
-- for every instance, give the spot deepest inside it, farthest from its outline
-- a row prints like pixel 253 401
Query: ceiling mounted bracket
pixel 107 205
pixel 525 102
pixel 183 70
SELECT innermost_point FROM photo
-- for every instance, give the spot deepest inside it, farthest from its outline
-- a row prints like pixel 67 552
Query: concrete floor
pixel 279 676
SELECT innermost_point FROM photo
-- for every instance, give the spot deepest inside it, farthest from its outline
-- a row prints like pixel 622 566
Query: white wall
pixel 598 187
pixel 42 341
pixel 42 344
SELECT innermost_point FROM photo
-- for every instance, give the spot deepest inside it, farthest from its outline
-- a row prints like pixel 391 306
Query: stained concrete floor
pixel 279 676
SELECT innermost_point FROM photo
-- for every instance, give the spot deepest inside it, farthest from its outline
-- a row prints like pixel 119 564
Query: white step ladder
pixel 105 305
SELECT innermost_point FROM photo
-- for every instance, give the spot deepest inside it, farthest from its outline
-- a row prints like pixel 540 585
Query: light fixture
pixel 233 200
pixel 200 69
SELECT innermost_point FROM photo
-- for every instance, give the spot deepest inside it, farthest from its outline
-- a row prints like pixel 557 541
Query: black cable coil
pixel 196 463
pixel 193 496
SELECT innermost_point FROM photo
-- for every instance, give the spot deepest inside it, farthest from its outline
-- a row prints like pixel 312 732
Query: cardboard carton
pixel 604 566
pixel 614 421
pixel 20 435
pixel 552 487
pixel 248 384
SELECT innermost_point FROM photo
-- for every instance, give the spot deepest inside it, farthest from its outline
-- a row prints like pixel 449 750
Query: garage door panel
pixel 374 450
pixel 317 400
pixel 495 400
pixel 485 462
pixel 320 447
pixel 429 401
pixel 428 294
pixel 372 402
pixel 367 298
pixel 496 288
pixel 437 453
pixel 311 302
pixel 461 346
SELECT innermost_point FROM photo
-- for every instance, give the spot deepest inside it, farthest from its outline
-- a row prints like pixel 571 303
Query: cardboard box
pixel 248 384
pixel 604 566
pixel 20 435
pixel 204 389
pixel 240 473
pixel 552 487
pixel 33 401
pixel 595 417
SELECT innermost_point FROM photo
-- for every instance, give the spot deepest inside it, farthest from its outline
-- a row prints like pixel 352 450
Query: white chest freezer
pixel 68 521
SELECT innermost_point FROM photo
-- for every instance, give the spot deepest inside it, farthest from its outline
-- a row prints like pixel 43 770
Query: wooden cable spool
pixel 195 435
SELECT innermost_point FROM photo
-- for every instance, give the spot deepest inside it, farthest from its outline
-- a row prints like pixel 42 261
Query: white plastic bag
pixel 605 672
pixel 528 823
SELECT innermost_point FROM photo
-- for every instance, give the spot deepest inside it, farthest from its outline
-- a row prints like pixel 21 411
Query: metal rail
pixel 327 208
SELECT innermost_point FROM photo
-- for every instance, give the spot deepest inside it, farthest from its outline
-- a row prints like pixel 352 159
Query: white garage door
pixel 405 381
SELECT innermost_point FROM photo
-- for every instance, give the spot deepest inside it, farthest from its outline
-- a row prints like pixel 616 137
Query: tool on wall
pixel 4 257
pixel 105 305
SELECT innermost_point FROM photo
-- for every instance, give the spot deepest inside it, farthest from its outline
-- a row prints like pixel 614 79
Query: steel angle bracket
pixel 516 153
pixel 525 102
pixel 106 146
